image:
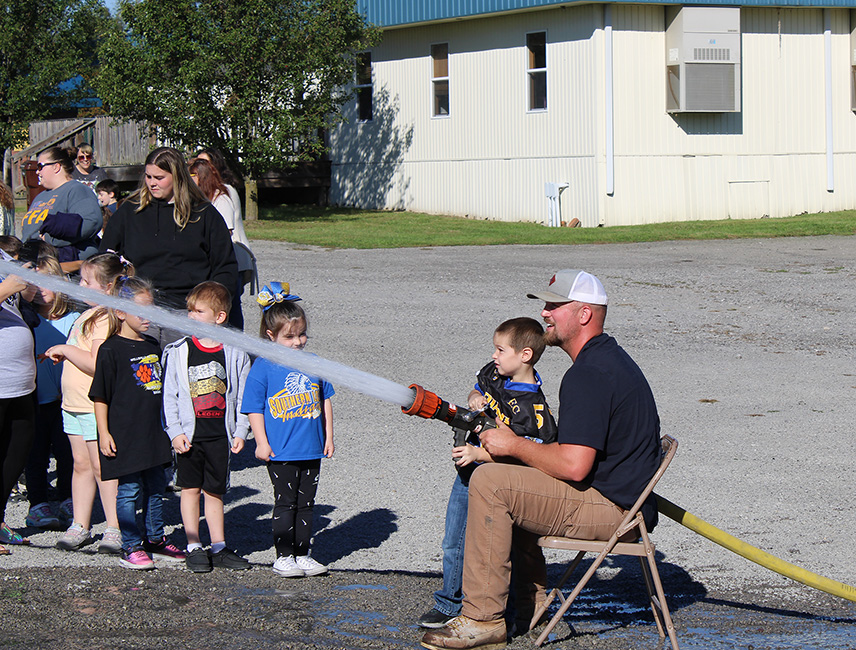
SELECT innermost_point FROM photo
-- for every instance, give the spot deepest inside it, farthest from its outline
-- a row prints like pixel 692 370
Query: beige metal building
pixel 647 112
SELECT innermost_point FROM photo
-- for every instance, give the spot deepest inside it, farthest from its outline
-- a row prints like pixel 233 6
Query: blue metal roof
pixel 396 13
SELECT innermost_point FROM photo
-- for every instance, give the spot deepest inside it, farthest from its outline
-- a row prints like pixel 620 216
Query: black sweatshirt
pixel 174 259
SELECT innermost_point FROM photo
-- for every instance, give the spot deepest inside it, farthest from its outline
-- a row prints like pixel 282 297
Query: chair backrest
pixel 668 447
pixel 247 267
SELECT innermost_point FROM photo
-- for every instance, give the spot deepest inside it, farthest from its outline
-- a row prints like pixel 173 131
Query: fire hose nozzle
pixel 425 403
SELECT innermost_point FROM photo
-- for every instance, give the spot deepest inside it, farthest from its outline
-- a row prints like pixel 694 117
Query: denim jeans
pixel 144 489
pixel 448 599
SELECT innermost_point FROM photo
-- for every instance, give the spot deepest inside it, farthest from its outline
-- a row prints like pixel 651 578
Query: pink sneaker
pixel 165 549
pixel 138 560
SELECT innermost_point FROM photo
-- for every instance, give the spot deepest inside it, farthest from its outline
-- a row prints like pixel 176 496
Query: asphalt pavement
pixel 748 346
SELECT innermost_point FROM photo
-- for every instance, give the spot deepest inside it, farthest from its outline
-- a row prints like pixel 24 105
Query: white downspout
pixel 608 103
pixel 827 46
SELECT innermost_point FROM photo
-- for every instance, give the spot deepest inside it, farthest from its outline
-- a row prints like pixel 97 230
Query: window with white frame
pixel 536 70
pixel 440 79
pixel 365 98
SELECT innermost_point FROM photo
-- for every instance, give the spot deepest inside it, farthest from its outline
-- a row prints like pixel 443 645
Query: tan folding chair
pixel 642 548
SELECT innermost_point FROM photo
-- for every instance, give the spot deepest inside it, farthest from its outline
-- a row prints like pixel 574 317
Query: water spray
pixel 310 364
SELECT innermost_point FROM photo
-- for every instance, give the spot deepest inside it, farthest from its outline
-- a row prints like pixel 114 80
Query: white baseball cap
pixel 573 285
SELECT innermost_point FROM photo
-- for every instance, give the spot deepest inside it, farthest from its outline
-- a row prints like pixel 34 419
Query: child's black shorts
pixel 205 465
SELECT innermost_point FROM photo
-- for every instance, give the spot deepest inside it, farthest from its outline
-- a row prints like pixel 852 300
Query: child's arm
pixel 475 400
pixel 11 285
pixel 85 361
pixel 105 441
pixel 263 448
pixel 328 428
pixel 243 423
pixel 171 398
pixel 468 454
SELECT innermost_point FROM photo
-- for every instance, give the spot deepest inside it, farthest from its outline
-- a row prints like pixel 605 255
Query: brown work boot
pixel 464 632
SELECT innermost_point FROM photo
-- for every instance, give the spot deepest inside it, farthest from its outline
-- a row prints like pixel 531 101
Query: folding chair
pixel 642 548
pixel 247 267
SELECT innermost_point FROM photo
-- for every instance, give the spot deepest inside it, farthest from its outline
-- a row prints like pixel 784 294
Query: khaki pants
pixel 503 496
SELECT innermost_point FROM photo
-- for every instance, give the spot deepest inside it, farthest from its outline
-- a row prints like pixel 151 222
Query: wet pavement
pixel 110 608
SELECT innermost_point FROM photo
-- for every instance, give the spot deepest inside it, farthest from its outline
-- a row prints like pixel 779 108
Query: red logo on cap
pixel 552 280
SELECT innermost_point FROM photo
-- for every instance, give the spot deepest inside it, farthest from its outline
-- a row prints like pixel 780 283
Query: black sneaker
pixel 198 561
pixel 226 559
pixel 434 619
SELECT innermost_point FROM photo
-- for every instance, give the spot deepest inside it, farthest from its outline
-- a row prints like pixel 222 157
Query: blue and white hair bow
pixel 276 292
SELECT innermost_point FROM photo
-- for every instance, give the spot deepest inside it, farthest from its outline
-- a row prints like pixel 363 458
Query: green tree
pixel 257 79
pixel 43 45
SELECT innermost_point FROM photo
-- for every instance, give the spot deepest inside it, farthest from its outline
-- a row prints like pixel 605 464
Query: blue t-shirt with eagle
pixel 293 405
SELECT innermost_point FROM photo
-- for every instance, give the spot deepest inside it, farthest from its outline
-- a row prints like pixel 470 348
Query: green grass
pixel 349 228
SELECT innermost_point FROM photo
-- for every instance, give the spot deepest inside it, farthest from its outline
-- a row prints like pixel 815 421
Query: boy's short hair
pixel 11 245
pixel 524 332
pixel 108 185
pixel 211 293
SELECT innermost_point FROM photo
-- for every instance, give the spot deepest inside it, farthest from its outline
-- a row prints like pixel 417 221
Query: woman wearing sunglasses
pixel 85 169
pixel 66 214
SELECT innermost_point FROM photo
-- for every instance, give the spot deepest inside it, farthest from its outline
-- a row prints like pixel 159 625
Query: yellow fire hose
pixel 754 554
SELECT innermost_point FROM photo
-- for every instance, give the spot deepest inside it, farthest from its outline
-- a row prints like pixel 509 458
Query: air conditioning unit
pixel 702 59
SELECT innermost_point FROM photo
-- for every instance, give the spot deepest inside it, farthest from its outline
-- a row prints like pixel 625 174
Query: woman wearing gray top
pixel 66 214
pixel 17 384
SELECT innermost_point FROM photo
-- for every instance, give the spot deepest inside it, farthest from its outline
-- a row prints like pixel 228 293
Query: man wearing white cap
pixel 608 449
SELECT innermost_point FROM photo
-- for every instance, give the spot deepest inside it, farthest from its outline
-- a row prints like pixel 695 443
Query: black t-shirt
pixel 522 407
pixel 206 371
pixel 607 404
pixel 129 379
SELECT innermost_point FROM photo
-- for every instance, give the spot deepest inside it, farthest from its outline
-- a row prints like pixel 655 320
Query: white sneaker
pixel 287 567
pixel 310 567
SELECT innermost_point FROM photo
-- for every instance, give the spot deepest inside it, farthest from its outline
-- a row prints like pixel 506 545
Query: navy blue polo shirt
pixel 607 404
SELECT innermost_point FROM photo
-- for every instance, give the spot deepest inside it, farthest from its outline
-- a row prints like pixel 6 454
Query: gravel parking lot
pixel 748 346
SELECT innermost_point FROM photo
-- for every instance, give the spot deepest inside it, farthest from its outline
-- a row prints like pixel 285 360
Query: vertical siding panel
pixel 491 158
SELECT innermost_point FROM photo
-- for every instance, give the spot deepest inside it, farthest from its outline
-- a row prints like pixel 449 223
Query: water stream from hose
pixel 310 364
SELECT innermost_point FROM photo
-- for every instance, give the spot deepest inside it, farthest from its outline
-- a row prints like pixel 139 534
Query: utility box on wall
pixel 702 59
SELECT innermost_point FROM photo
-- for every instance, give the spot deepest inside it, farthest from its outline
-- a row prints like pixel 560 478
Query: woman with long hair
pixel 205 175
pixel 170 232
pixel 66 214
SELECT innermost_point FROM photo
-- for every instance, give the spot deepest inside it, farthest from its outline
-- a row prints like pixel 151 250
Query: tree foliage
pixel 43 45
pixel 256 79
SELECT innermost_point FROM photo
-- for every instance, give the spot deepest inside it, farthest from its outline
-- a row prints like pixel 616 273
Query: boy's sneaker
pixel 165 549
pixel 66 511
pixel 41 516
pixel 287 567
pixel 434 619
pixel 310 567
pixel 226 559
pixel 198 561
pixel 137 559
pixel 111 541
pixel 75 538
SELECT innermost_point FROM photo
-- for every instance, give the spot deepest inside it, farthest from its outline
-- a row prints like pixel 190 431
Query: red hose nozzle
pixel 425 403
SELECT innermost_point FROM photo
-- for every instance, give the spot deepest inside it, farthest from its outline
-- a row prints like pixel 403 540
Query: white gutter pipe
pixel 827 46
pixel 608 103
